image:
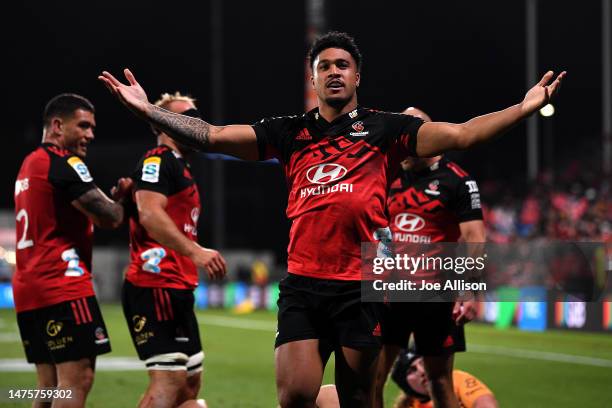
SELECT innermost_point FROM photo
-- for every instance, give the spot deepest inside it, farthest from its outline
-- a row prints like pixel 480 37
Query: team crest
pixel 433 188
pixel 358 128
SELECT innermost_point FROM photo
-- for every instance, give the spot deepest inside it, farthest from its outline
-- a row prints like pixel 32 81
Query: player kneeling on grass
pixel 409 374
pixel 157 296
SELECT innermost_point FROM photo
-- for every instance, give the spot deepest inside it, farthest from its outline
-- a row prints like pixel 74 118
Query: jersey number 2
pixel 24 243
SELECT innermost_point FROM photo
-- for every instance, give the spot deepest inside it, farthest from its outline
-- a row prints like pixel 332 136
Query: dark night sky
pixel 453 59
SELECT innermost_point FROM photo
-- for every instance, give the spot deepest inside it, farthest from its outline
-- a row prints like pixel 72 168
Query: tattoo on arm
pixel 104 210
pixel 185 129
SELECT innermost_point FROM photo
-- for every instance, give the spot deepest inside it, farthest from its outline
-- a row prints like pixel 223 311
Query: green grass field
pixel 552 369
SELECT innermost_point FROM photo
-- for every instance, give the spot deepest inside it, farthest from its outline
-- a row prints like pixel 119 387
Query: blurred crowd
pixel 575 205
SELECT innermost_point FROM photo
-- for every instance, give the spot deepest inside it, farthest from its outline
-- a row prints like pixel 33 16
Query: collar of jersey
pixel 337 125
pixel 411 176
pixel 49 144
pixel 176 153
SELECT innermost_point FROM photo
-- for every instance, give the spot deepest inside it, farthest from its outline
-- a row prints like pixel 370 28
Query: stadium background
pixel 453 59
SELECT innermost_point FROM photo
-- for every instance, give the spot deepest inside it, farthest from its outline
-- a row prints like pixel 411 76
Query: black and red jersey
pixel 428 205
pixel 54 239
pixel 338 175
pixel 164 171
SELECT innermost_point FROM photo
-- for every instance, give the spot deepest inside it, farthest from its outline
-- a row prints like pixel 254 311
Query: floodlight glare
pixel 547 110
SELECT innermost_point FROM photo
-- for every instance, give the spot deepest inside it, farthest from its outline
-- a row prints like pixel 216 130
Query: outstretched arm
pixel 235 140
pixel 438 137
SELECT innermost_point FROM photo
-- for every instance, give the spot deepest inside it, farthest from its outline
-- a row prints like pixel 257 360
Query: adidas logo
pixel 449 342
pixel 303 135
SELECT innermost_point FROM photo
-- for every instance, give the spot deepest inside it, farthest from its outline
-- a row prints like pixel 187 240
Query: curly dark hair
pixel 64 105
pixel 335 39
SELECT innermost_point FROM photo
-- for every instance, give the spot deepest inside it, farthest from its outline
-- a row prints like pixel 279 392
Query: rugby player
pixel 157 294
pixel 338 159
pixel 56 205
pixel 432 200
pixel 410 376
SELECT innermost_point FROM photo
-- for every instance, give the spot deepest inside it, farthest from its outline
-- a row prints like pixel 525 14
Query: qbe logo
pixel 325 173
pixel 409 222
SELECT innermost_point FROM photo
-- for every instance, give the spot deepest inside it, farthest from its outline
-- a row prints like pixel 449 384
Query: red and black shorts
pixel 161 321
pixel 67 331
pixel 432 324
pixel 328 310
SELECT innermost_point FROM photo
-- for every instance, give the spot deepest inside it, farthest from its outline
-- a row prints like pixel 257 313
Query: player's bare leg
pixel 76 376
pixel 355 373
pixel 194 378
pixel 439 371
pixel 164 389
pixel 191 388
pixel 387 357
pixel 46 377
pixel 299 372
pixel 328 397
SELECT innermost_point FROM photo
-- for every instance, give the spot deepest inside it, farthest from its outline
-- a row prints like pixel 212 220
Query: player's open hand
pixel 542 92
pixel 464 311
pixel 131 95
pixel 212 262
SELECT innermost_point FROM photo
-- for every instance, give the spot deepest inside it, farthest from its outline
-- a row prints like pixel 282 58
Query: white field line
pixel 102 364
pixel 130 364
pixel 237 323
pixel 10 337
pixel 241 323
pixel 539 355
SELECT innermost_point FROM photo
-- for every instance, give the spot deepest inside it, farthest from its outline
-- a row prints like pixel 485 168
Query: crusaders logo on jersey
pixel 325 173
pixel 359 129
pixel 409 222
